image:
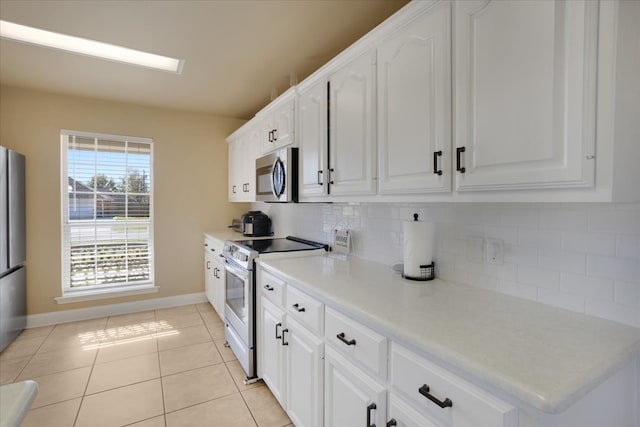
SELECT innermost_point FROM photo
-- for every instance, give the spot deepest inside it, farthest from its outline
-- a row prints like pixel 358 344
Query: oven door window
pixel 236 295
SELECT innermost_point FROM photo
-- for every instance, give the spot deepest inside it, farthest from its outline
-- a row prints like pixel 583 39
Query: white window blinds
pixel 107 211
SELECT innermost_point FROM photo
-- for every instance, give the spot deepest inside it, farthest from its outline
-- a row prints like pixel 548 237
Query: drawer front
pixel 424 384
pixel 272 287
pixel 213 246
pixel 357 341
pixel 305 309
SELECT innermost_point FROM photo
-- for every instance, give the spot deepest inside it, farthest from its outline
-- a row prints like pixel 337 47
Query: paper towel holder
pixel 427 272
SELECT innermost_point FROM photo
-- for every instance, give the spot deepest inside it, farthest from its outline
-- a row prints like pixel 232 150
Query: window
pixel 107 218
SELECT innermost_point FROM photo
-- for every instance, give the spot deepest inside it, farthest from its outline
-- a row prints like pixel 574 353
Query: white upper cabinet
pixel 352 127
pixel 242 157
pixel 312 139
pixel 414 105
pixel 276 123
pixel 525 93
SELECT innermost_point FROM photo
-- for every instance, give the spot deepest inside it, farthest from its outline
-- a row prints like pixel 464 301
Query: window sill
pixel 96 294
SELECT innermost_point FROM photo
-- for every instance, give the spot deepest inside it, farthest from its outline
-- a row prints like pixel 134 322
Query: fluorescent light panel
pixel 88 47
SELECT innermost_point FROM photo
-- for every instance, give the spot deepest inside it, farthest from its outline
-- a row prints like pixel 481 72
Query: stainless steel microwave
pixel 277 176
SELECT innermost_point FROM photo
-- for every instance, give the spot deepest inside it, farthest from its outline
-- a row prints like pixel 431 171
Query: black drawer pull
pixel 392 422
pixel 283 341
pixel 369 409
pixel 298 308
pixel 460 168
pixel 278 337
pixel 446 403
pixel 269 288
pixel 341 337
pixel 436 154
pixel 319 177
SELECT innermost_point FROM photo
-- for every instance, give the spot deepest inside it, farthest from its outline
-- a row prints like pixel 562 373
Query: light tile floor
pixel 156 368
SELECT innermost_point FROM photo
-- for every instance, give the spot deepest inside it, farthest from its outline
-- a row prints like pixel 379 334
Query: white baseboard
pixel 64 316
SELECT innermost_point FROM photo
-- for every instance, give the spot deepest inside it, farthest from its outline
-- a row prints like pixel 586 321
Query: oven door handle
pixel 240 272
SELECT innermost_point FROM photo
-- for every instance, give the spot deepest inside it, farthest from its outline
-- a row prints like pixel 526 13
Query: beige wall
pixel 190 183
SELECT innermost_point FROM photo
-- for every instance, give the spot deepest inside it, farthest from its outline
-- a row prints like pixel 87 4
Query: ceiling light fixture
pixel 82 46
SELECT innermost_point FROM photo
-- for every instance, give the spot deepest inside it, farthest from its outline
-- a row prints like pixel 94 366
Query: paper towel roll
pixel 418 246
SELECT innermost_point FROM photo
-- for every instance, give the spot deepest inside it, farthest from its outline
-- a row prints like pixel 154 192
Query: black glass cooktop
pixel 287 244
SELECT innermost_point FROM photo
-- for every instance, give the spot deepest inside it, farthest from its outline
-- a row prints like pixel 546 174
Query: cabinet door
pixel 525 93
pixel 209 279
pixel 351 397
pixel 304 375
pixel 414 105
pixel 352 128
pixel 312 140
pixel 270 351
pixel 219 275
pixel 283 124
pixel 235 164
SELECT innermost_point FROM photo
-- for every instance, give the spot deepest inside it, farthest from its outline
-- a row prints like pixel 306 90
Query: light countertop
pixel 544 356
pixel 15 401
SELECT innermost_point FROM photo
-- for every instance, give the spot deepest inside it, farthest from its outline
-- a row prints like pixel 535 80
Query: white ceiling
pixel 235 51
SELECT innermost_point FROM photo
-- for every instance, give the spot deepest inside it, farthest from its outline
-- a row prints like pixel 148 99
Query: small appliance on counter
pixel 253 224
pixel 418 250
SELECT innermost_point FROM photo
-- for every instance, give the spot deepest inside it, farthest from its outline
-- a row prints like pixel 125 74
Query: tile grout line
pixel 164 408
pixel 95 357
pixel 32 355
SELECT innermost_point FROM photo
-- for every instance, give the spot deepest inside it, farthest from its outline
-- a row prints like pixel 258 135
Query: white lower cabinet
pixel 351 397
pixel 291 360
pixel 271 350
pixel 304 379
pixel 443 397
pixel 214 274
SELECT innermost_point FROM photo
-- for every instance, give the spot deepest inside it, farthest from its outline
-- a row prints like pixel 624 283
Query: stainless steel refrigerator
pixel 13 276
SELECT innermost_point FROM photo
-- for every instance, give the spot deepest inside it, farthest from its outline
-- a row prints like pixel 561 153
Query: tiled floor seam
pixel 31 356
pixel 249 409
pixel 84 393
pixel 201 403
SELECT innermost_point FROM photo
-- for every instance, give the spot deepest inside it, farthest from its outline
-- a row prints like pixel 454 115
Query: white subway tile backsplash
pixel 563 220
pixel 539 239
pixel 591 243
pixel 627 294
pixel 538 277
pixel 581 257
pixel 587 286
pixel 628 246
pixel 614 268
pixel 568 262
pixel 621 221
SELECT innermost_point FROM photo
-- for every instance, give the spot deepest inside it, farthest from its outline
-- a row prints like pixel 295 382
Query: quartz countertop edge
pixel 544 356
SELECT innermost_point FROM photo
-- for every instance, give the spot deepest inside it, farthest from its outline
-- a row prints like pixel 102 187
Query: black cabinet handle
pixel 446 403
pixel 392 422
pixel 208 265
pixel 269 288
pixel 369 409
pixel 283 341
pixel 436 154
pixel 270 136
pixel 459 168
pixel 206 244
pixel 341 337
pixel 213 250
pixel 319 177
pixel 298 308
pixel 278 337
pixel 275 135
pixel 331 176
pixel 233 189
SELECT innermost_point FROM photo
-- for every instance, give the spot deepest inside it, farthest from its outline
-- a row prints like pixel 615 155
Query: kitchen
pixel 559 248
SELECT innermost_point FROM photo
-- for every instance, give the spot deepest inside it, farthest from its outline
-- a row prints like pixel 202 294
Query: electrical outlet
pixel 494 251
